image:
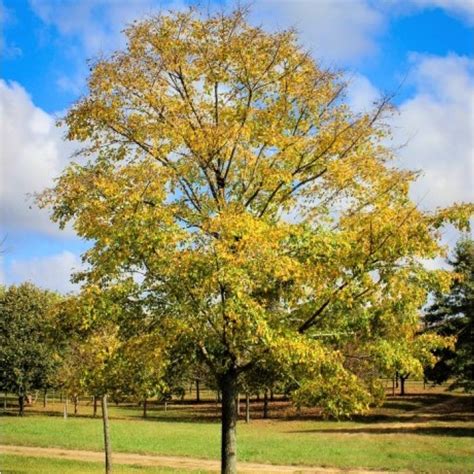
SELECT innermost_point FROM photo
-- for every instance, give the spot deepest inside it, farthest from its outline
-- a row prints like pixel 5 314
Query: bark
pixel 145 406
pixel 247 408
pixel 107 444
pixel 198 394
pixel 229 423
pixel 265 404
pixel 21 405
pixel 402 384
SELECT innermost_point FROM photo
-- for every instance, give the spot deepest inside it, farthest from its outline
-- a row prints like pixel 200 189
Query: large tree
pixel 452 314
pixel 260 214
pixel 26 339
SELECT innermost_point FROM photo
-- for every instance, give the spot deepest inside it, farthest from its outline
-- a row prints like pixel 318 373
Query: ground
pixel 428 430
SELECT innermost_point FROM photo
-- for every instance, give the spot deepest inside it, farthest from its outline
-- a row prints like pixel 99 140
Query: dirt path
pixel 180 463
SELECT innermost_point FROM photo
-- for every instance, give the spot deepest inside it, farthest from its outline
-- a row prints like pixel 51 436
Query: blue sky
pixel 422 48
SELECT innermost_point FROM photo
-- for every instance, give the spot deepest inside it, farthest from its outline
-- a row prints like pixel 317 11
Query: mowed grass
pixel 420 433
pixel 12 464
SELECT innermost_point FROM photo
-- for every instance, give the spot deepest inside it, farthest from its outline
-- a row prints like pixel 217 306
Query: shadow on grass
pixel 458 432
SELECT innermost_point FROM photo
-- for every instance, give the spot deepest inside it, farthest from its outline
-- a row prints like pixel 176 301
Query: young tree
pixel 26 349
pixel 259 211
pixel 452 314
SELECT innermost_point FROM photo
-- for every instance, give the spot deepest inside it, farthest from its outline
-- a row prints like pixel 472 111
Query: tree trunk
pixel 107 445
pixel 76 400
pixel 237 402
pixel 144 407
pixel 65 407
pixel 94 410
pixel 229 423
pixel 265 404
pixel 21 405
pixel 5 401
pixel 45 398
pixel 402 384
pixel 393 386
pixel 272 396
pixel 247 408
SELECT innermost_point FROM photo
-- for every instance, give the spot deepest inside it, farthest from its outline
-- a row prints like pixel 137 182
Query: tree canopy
pixel 27 359
pixel 232 192
pixel 452 314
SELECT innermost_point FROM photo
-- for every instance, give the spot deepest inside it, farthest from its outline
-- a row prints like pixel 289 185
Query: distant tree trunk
pixel 21 405
pixel 219 400
pixel 265 404
pixel 94 410
pixel 402 383
pixel 258 396
pixel 45 398
pixel 107 444
pixel 5 401
pixel 145 406
pixel 237 403
pixel 272 396
pixel 228 385
pixel 65 407
pixel 393 386
pixel 76 402
pixel 247 408
pixel 166 405
pixel 198 394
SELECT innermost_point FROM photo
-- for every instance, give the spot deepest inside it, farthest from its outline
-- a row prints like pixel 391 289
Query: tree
pixel 261 215
pixel 452 314
pixel 26 349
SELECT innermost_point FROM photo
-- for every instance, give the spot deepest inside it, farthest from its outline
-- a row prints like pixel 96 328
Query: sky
pixel 421 49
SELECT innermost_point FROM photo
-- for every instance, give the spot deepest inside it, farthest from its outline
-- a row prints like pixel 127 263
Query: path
pixel 176 462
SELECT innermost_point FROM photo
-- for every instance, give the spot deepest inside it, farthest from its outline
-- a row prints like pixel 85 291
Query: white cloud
pixel 361 94
pixel 32 154
pixel 52 272
pixel 438 123
pixel 98 24
pixel 335 30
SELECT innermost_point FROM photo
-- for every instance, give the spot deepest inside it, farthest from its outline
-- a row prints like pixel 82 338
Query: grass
pixel 422 433
pixel 12 464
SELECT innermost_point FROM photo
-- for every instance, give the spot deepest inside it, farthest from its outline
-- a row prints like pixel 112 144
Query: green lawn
pixel 426 431
pixel 11 464
pixel 398 444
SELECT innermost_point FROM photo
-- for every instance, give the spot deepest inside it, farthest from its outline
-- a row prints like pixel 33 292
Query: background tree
pixel 259 211
pixel 26 349
pixel 452 314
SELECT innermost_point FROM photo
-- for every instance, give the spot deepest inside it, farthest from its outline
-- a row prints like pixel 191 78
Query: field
pixel 428 430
